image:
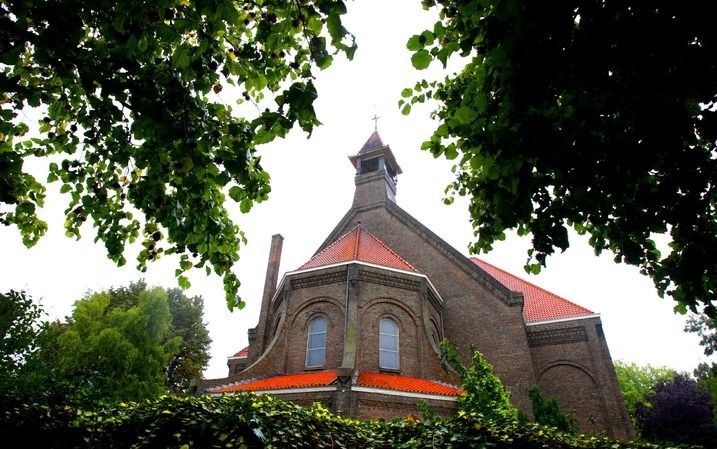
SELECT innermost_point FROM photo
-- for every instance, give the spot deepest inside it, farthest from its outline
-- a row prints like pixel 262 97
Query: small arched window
pixel 316 343
pixel 388 344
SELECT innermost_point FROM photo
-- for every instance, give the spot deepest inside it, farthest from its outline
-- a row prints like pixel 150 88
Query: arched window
pixel 388 357
pixel 316 344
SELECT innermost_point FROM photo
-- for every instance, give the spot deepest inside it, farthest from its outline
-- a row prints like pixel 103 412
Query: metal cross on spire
pixel 375 121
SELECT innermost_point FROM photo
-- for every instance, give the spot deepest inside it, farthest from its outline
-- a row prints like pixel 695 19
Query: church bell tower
pixel 376 172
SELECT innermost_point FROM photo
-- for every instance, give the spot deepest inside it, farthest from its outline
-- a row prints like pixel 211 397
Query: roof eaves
pixel 563 320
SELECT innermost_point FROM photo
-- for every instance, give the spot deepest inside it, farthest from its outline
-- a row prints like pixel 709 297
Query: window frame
pixel 309 333
pixel 397 349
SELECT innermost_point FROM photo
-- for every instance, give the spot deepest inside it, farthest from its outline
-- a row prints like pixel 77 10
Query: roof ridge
pixel 358 240
pixel 530 283
pixel 389 249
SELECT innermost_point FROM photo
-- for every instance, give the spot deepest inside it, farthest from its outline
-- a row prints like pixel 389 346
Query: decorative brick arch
pixel 410 333
pixel 314 303
pixel 572 363
pixel 575 388
pixel 327 307
pixel 395 303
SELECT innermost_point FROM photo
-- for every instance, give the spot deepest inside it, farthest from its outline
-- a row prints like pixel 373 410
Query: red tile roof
pixel 540 304
pixel 373 380
pixel 358 244
pixel 282 382
pixel 242 353
pixel 403 383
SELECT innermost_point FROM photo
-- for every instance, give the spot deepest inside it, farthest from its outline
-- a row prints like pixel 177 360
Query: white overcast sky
pixel 312 188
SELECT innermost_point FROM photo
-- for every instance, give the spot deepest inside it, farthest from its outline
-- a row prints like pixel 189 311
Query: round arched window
pixel 316 343
pixel 388 344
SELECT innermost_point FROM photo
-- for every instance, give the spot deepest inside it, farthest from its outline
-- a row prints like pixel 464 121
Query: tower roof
pixel 360 245
pixel 374 142
pixel 374 147
pixel 540 304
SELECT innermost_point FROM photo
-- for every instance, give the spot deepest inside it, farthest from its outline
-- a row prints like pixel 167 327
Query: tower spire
pixel 376 171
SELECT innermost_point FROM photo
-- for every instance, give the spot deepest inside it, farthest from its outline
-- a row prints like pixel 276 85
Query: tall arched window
pixel 316 343
pixel 388 357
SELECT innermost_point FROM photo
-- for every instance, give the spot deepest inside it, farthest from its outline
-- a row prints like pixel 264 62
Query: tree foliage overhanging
pixel 600 115
pixel 131 114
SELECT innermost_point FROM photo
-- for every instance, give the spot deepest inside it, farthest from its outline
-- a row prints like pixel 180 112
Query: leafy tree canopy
pixel 133 122
pixel 117 354
pixel 126 343
pixel 678 412
pixel 706 377
pixel 601 116
pixel 706 328
pixel 20 330
pixel 706 374
pixel 192 356
pixel 596 115
pixel 637 382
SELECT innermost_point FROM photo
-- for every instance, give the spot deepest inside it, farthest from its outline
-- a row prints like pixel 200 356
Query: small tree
pixel 484 394
pixel 20 329
pixel 678 412
pixel 548 412
pixel 187 313
pixel 117 354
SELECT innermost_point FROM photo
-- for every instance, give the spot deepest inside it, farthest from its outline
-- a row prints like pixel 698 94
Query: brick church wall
pixel 474 313
pixel 573 366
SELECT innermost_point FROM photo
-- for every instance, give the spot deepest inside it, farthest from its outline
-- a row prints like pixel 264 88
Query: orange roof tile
pixel 404 383
pixel 540 304
pixel 281 382
pixel 358 244
pixel 242 353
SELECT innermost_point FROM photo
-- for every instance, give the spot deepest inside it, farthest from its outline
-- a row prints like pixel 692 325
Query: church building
pixel 357 327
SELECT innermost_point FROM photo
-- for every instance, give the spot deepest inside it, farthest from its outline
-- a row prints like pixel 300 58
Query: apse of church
pixel 357 326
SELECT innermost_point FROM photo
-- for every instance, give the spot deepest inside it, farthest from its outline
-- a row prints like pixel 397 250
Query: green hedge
pixel 248 421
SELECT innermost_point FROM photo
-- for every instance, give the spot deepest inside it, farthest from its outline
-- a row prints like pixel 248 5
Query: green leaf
pixel 245 205
pixel 236 193
pixel 427 38
pixel 421 59
pixel 183 282
pixel 414 43
pixel 465 115
pixel 180 59
pixel 405 93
